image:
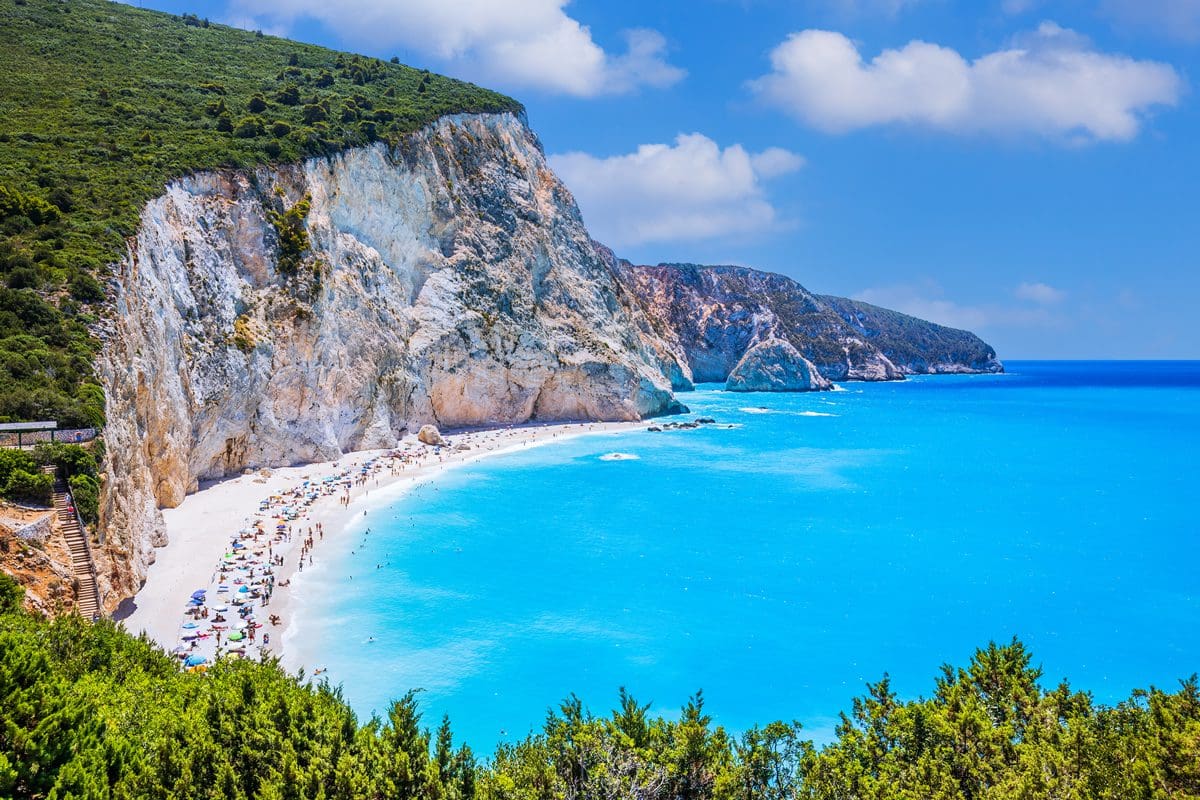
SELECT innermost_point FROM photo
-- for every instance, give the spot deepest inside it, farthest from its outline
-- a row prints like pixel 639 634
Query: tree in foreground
pixel 88 711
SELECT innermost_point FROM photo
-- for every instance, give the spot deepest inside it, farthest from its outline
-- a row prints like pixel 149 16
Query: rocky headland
pixel 291 314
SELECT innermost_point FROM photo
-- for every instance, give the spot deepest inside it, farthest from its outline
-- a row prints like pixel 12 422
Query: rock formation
pixel 707 319
pixel 774 365
pixel 448 281
pixel 292 314
pixel 430 435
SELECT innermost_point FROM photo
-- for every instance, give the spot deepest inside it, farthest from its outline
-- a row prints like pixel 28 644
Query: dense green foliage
pixel 101 104
pixel 79 467
pixel 292 234
pixel 22 480
pixel 89 711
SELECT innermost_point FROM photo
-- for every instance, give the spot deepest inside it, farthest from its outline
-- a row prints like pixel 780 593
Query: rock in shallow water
pixel 775 366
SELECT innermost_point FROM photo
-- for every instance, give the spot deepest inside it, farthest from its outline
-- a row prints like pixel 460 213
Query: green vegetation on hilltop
pixel 89 711
pixel 101 105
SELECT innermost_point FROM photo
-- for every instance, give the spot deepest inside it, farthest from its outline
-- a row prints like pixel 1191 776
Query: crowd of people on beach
pixel 225 618
pixel 229 617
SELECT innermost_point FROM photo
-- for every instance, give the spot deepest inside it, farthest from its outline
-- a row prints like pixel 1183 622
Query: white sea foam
pixel 756 410
pixel 816 414
pixel 619 457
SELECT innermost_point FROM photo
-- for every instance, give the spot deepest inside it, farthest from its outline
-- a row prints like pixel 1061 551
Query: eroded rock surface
pixel 708 318
pixel 450 281
pixel 775 366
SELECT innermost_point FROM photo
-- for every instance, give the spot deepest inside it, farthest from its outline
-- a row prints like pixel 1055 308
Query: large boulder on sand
pixel 774 365
pixel 429 434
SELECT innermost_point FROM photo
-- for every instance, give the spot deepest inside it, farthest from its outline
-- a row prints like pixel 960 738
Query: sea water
pixel 785 556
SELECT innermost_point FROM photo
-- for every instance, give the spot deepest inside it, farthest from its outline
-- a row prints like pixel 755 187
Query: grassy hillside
pixel 101 104
pixel 89 711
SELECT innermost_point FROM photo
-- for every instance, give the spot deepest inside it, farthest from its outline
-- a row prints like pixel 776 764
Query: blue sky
pixel 1028 169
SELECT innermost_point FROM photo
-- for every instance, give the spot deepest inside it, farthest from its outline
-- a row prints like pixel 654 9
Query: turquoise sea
pixel 781 563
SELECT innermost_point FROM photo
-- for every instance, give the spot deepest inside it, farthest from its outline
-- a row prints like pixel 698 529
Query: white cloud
pixel 1040 293
pixel 532 43
pixel 1176 19
pixel 1049 83
pixel 927 300
pixel 692 189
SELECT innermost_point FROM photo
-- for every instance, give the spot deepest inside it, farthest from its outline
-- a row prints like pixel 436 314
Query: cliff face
pixel 773 365
pixel 295 313
pixel 915 346
pixel 710 318
pixel 450 282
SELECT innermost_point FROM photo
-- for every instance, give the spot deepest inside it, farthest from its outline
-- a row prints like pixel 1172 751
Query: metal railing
pixel 87 546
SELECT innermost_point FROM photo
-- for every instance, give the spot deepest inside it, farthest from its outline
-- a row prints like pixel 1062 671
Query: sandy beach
pixel 235 545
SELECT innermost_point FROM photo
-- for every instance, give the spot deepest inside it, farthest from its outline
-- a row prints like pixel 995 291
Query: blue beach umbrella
pixel 194 661
pixel 199 594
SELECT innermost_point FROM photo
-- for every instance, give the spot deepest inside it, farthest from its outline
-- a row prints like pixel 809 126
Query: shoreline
pixel 201 528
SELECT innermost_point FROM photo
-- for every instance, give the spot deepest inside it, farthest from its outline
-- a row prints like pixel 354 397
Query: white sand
pixel 200 528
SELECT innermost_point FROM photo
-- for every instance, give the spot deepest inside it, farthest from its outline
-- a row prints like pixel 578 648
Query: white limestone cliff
pixel 450 281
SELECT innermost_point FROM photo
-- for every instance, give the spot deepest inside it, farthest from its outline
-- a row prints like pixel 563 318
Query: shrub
pixel 24 278
pixel 257 104
pixel 288 95
pixel 29 487
pixel 314 112
pixel 72 460
pixel 86 289
pixel 13 460
pixel 85 490
pixel 292 234
pixel 249 127
pixel 280 129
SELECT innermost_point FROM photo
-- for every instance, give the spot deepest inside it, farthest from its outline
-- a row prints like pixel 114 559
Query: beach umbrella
pixel 178 650
pixel 221 607
pixel 236 636
pixel 190 625
pixel 194 661
pixel 243 589
pixel 199 594
pixel 196 601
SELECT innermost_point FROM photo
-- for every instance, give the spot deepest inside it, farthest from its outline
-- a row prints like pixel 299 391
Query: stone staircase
pixel 87 593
